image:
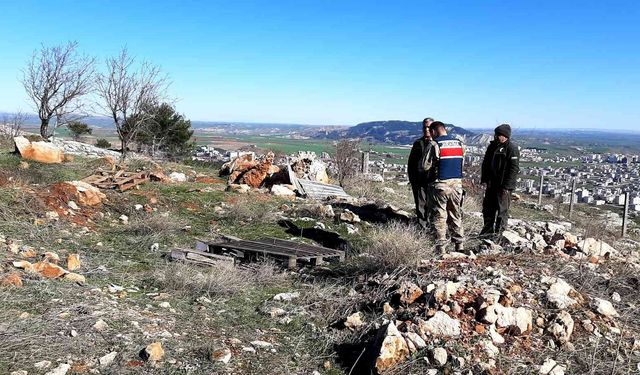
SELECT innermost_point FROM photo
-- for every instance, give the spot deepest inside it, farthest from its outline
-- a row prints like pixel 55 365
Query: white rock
pixel 615 297
pixel 19 372
pixel 165 305
pixel 221 355
pixel 491 350
pixel 177 177
pixel 496 338
pixel 72 205
pixel 42 365
pixel 441 324
pixel 349 216
pixel 282 191
pixel 100 325
pixel 561 327
pixel 248 349
pixel 124 219
pixel 551 367
pixel 107 360
pixel 439 356
pixel 62 369
pixel 262 344
pixel 597 248
pixel 604 307
pixel 286 296
pixel 138 207
pixel 558 293
pixel 354 321
pixel 154 246
pixel 352 229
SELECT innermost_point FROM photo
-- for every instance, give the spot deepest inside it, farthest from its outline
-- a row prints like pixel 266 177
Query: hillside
pixel 395 132
pixel 87 285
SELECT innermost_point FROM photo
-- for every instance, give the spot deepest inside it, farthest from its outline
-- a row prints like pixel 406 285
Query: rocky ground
pixel 87 286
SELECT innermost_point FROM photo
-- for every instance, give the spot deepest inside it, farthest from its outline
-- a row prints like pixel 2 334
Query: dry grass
pixel 216 281
pixel 394 245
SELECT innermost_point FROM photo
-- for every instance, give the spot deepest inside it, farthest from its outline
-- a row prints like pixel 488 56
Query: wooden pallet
pixel 120 180
pixel 287 251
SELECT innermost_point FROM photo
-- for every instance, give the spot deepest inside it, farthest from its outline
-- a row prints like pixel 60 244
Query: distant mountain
pixel 393 131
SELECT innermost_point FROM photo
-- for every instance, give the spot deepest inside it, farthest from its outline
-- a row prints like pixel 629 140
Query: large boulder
pixel 43 152
pixel 596 248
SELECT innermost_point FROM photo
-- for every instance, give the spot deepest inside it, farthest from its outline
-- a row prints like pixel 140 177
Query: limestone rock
pixel 75 278
pixel 43 152
pixel 24 265
pixel 107 359
pixel 153 352
pixel 62 369
pixel 286 296
pixel 261 344
pixel 239 188
pixel 512 238
pixel 392 348
pixel 409 292
pixel 13 279
pixel 597 248
pixel 604 307
pixel 73 262
pixel 441 324
pixel 439 356
pixel 100 325
pixel 558 293
pixel 177 177
pixel 349 217
pixel 51 257
pixel 561 327
pixel 49 270
pixel 86 194
pixel 551 367
pixel 221 355
pixel 282 191
pixel 354 321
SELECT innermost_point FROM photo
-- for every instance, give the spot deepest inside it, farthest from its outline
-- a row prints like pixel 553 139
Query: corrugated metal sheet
pixel 315 189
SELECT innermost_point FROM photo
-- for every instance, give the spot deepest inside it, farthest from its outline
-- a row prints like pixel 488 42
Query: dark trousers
pixel 495 210
pixel 423 209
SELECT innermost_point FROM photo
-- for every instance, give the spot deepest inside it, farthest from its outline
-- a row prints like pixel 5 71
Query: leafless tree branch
pixel 55 79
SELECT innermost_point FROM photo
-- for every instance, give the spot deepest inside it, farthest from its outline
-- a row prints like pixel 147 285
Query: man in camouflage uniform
pixel 446 180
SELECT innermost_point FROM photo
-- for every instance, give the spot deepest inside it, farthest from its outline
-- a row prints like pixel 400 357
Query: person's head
pixel 425 127
pixel 502 133
pixel 437 129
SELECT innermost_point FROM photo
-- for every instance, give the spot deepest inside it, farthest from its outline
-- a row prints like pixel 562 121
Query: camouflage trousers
pixel 447 211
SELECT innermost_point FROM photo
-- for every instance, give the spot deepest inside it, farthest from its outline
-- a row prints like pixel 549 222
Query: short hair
pixel 436 124
pixel 427 120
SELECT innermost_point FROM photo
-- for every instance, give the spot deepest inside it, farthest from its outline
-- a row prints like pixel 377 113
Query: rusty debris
pixel 122 180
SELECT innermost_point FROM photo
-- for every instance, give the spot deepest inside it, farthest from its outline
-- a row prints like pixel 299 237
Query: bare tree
pixel 55 80
pixel 127 91
pixel 12 124
pixel 347 159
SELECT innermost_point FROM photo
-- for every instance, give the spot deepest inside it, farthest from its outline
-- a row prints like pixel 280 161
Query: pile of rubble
pixel 46 265
pixel 246 172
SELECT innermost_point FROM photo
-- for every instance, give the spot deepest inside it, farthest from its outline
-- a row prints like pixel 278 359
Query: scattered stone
pixel 596 248
pixel 221 355
pixel 124 219
pixel 107 360
pixel 561 327
pixel 75 278
pixel 604 307
pixel 19 372
pixel 439 356
pixel 512 238
pixel 42 365
pixel 491 350
pixel 441 324
pixel 558 293
pixel 615 297
pixel 349 216
pixel 154 247
pixel 23 165
pixel 261 344
pixel 387 309
pixel 354 321
pixel 391 348
pixel 100 325
pixel 72 205
pixel 152 352
pixel 551 367
pixel 13 279
pixel 325 210
pixel 282 191
pixel 62 369
pixel 49 270
pixel 138 207
pixel 51 257
pixel 73 262
pixel 23 265
pixel 165 305
pixel 51 215
pixel 177 177
pixel 239 188
pixel 409 292
pixel 352 229
pixel 286 296
pixel 496 337
pixel 85 193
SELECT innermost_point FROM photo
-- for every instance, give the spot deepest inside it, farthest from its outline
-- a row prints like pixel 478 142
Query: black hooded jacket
pixel 501 165
pixel 420 161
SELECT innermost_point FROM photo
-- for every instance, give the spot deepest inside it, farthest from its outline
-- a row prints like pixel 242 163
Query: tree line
pixel 65 85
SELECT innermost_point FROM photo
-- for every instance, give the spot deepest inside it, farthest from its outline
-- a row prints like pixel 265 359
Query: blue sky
pixel 535 64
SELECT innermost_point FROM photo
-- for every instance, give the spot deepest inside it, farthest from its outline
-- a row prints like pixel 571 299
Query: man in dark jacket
pixel 500 169
pixel 418 170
